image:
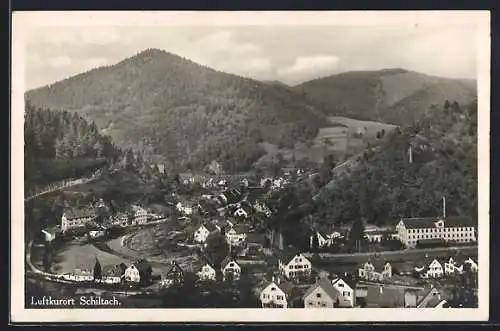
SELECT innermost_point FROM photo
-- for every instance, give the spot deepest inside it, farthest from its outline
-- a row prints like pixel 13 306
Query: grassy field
pixel 82 256
pixel 338 139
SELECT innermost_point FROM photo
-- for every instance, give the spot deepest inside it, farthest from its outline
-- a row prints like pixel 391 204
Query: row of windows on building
pixel 446 235
pixel 299 266
pixel 460 240
pixel 441 230
pixel 268 296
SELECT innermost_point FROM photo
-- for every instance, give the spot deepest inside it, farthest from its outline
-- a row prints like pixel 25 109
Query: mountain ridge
pixel 170 106
pixel 386 95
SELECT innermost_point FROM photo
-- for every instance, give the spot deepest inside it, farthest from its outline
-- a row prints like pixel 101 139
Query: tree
pixel 357 233
pixel 97 270
pixel 315 241
pixel 217 249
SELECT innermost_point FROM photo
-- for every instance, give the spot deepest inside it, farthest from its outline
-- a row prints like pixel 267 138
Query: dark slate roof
pixel 80 213
pixel 210 227
pixel 389 297
pixel 175 267
pixel 350 282
pixel 287 255
pixel 326 285
pixel 226 260
pixel 420 223
pixel 286 287
pixel 256 238
pixel 429 222
pixel 378 262
pixel 240 228
pixel 458 221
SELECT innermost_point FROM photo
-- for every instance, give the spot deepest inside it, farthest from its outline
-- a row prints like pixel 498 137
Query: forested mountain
pixel 388 184
pixel 189 114
pixel 61 145
pixel 394 96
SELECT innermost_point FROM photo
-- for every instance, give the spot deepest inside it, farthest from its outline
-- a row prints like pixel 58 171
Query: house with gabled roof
pixel 77 218
pixel 207 273
pixel 346 297
pixel 430 268
pixel 449 229
pixel 230 269
pixel 276 294
pixel 321 295
pixel 174 276
pixel 375 269
pixel 111 274
pixel 236 236
pixel 293 265
pixel 202 232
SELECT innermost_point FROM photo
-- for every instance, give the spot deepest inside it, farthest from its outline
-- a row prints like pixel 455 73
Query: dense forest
pixel 59 145
pixel 394 96
pixel 183 112
pixel 410 172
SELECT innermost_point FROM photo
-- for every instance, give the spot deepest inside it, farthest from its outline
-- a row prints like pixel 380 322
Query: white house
pixel 346 293
pixel 471 264
pixel 49 237
pixel 244 182
pixel 321 295
pixel 140 215
pixel 202 232
pixel 81 275
pixel 237 235
pixel 294 265
pixel 132 274
pixel 76 217
pixel 184 209
pixel 240 212
pixel 430 268
pixel 230 269
pixel 262 208
pixel 272 296
pixel 325 239
pixel 207 272
pixel 450 229
pixel 96 234
pixel 375 269
pixel 458 264
pixel 321 239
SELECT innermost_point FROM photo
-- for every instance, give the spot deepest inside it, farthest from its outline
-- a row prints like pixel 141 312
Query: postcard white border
pixel 24 21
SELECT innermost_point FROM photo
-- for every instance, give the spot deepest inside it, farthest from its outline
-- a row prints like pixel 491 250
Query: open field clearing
pixel 82 256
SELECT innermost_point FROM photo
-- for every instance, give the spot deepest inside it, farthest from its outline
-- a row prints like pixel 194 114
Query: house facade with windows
pixel 346 297
pixel 274 296
pixel 140 215
pixel 294 265
pixel 230 269
pixel 321 295
pixel 132 274
pixel 430 268
pixel 202 232
pixel 77 218
pixel 451 229
pixel 206 273
pixel 236 236
pixel 375 269
pixel 174 276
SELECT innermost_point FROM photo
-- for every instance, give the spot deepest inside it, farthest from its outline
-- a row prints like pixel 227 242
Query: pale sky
pixel 291 54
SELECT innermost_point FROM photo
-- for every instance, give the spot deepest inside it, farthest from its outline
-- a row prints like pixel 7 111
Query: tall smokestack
pixel 444 207
pixel 410 155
